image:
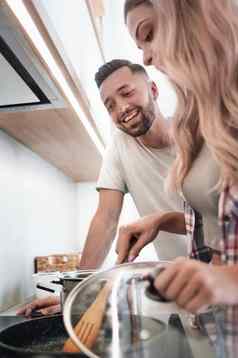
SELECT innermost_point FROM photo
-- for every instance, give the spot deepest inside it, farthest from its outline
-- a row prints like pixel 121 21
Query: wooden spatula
pixel 88 327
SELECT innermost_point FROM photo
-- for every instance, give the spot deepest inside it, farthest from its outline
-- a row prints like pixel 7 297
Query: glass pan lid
pixel 103 314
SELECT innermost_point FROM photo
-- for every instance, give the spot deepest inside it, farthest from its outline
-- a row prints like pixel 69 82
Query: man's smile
pixel 129 116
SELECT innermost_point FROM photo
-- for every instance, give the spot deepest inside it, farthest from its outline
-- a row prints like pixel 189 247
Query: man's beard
pixel 145 123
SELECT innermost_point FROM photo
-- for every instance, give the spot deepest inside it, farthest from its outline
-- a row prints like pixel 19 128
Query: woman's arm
pixel 133 237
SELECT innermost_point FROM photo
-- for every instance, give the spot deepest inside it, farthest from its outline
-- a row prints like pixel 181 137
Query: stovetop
pixel 174 344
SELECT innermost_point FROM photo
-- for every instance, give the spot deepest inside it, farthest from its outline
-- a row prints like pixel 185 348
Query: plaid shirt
pixel 222 328
pixel 228 218
pixel 194 229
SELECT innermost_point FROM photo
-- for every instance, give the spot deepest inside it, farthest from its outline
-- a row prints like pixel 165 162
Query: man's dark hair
pixel 132 4
pixel 108 68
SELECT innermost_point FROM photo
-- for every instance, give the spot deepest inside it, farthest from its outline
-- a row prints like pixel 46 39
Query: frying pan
pixel 44 338
pixel 41 337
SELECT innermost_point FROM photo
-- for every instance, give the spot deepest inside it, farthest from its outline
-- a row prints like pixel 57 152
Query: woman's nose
pixel 147 58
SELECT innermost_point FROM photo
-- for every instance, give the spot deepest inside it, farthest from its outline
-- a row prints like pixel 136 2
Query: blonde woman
pixel 195 42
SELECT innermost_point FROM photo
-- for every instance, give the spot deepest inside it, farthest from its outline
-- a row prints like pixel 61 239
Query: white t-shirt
pixel 130 166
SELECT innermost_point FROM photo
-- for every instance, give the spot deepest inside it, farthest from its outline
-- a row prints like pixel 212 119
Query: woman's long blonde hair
pixel 198 47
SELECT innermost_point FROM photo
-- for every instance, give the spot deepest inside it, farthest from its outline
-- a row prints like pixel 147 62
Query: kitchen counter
pixel 11 311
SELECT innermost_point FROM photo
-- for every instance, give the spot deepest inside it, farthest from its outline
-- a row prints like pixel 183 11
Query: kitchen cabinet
pixel 53 130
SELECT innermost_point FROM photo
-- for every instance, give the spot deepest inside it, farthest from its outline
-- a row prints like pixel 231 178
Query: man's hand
pixel 48 305
pixel 133 237
pixel 194 285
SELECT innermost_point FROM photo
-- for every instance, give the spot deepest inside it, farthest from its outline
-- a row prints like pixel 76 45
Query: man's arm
pixel 102 229
pixel 101 233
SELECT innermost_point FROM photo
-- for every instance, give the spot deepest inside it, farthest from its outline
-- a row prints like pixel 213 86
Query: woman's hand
pixel 194 285
pixel 48 305
pixel 133 237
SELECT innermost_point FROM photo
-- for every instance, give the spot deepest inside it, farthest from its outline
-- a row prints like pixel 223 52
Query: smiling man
pixel 130 100
pixel 136 161
pixel 140 153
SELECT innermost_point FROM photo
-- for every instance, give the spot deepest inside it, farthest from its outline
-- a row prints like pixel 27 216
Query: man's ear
pixel 154 90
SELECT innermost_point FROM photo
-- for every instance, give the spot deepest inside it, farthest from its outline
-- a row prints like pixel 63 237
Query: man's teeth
pixel 132 115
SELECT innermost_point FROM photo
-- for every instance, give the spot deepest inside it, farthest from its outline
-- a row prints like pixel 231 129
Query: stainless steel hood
pixel 25 85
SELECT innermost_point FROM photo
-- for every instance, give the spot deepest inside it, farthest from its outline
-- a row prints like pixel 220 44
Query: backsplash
pixel 37 215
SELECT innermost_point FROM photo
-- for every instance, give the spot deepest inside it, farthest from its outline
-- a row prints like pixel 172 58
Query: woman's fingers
pixel 132 238
pixel 124 243
pixel 165 278
pixel 136 248
pixel 181 282
pixel 189 283
pixel 130 242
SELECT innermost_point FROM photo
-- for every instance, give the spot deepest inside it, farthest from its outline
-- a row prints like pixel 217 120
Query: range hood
pixel 25 85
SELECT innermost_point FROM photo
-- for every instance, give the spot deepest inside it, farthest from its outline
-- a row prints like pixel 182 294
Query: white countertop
pixel 11 311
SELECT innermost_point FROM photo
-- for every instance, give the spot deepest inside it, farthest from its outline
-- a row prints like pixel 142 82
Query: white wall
pixel 87 204
pixel 42 212
pixel 37 217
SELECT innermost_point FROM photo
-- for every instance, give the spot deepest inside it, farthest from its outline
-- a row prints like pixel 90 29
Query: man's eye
pixel 110 108
pixel 128 94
